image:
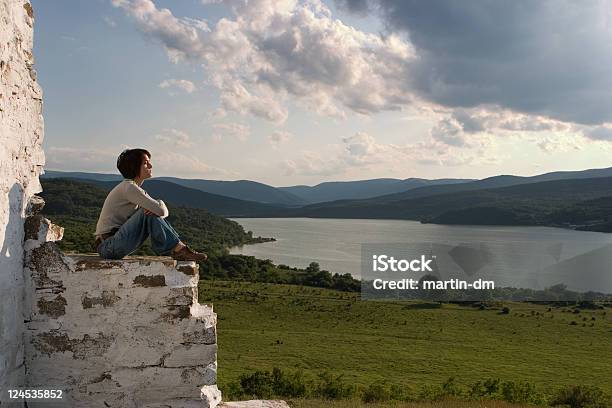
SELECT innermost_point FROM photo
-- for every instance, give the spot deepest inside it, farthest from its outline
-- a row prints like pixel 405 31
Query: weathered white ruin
pixel 126 333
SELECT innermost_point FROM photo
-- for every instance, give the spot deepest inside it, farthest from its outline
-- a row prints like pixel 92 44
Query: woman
pixel 129 215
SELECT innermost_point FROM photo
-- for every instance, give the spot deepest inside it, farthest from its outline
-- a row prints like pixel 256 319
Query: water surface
pixel 336 243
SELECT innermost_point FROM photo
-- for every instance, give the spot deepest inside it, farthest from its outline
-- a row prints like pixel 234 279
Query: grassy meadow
pixel 410 345
pixel 305 403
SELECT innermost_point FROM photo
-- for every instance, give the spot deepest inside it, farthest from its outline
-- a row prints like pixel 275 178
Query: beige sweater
pixel 122 202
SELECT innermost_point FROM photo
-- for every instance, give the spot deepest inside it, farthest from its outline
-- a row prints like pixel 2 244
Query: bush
pixel 520 392
pixel 265 384
pixel 257 384
pixel 579 396
pixel 376 392
pixel 233 391
pixel 330 387
pixel 488 388
pixel 451 389
pixel 430 393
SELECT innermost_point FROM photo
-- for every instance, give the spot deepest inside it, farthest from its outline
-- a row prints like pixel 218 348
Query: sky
pixel 289 92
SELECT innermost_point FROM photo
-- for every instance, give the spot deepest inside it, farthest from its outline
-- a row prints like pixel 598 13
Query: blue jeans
pixel 133 233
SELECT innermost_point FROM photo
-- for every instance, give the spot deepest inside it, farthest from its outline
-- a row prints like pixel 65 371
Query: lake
pixel 336 245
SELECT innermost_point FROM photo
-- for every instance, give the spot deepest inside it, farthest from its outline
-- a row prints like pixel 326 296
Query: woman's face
pixel 146 168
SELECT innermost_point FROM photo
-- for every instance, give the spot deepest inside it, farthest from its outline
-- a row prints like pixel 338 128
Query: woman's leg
pixel 135 231
pixel 163 237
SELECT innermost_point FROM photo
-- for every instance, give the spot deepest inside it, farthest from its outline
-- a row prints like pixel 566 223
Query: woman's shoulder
pixel 130 186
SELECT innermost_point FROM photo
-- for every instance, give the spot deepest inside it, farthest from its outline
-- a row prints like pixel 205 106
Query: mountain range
pixel 292 196
pixel 560 198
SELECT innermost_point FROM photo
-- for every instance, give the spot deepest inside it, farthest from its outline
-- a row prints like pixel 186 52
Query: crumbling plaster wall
pixel 126 333
pixel 21 161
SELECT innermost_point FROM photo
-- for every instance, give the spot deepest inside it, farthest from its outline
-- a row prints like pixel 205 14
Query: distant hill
pixel 493 182
pixel 189 197
pixel 241 189
pixel 81 175
pixel 294 196
pixel 558 202
pixel 572 198
pixel 348 190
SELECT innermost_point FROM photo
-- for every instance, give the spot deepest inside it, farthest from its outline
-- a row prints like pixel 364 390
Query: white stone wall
pixel 21 161
pixel 120 333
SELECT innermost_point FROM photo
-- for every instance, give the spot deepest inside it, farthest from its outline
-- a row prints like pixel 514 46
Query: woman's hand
pixel 147 212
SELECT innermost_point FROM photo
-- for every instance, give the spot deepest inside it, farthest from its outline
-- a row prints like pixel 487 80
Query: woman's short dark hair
pixel 129 162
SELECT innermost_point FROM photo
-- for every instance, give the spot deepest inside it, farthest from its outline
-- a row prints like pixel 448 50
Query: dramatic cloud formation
pixel 182 84
pixel 275 49
pixel 179 36
pixel 548 57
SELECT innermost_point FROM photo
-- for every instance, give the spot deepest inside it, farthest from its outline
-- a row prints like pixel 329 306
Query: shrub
pixel 430 392
pixel 488 388
pixel 520 392
pixel 580 396
pixel 265 384
pixel 233 391
pixel 451 389
pixel 330 387
pixel 257 384
pixel 376 392
pixel 289 385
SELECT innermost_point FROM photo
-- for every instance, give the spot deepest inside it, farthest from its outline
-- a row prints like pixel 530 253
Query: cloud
pixel 109 21
pixel 563 144
pixel 174 137
pixel 271 50
pixel 177 164
pixel 469 123
pixel 479 129
pixel 182 84
pixel 165 162
pixel 218 113
pixel 357 151
pixel 313 164
pixel 545 58
pixel 449 132
pixel 363 151
pixel 179 36
pixel 600 133
pixel 360 7
pixel 72 159
pixel 236 130
pixel 279 137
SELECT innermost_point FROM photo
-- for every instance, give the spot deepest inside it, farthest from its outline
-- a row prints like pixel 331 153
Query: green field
pixel 261 326
pixel 434 404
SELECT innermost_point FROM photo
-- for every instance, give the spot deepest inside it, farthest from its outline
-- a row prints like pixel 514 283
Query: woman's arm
pixel 139 197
